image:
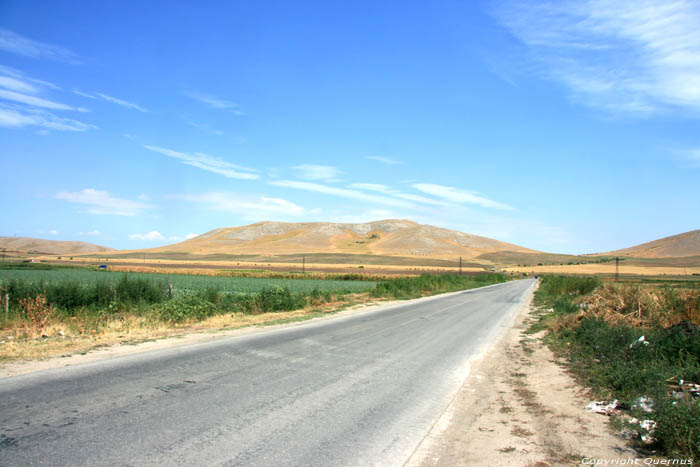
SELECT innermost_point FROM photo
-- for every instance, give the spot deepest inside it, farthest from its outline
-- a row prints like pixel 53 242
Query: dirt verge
pixel 519 407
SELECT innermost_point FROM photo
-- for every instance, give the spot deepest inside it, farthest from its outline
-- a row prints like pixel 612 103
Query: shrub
pixel 275 298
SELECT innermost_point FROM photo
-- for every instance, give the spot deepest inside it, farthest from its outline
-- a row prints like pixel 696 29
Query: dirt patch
pixel 519 407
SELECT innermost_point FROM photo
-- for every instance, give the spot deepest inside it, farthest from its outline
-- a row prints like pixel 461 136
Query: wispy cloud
pixel 459 196
pixel 108 98
pixel 13 117
pixel 33 101
pixel 92 233
pixel 254 207
pixel 343 193
pixel 397 194
pixel 384 160
pixel 123 103
pixel 151 236
pixel 17 74
pixel 634 57
pixel 215 102
pixel 15 84
pixel 690 156
pixel 20 45
pixel 24 107
pixel 317 172
pixel 372 187
pixel 209 163
pixel 204 127
pixel 101 202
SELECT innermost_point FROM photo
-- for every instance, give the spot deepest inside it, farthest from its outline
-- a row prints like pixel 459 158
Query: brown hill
pixel 38 246
pixel 675 246
pixel 385 238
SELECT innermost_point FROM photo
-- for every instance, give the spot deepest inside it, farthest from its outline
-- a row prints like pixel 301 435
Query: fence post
pixel 170 290
pixel 7 305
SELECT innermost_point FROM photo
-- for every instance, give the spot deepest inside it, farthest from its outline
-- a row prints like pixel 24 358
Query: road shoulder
pixel 519 406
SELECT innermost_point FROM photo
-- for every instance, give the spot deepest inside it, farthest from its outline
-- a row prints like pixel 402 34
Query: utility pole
pixel 617 269
pixel 460 265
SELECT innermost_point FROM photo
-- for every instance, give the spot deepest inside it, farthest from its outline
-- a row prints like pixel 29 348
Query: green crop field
pixel 181 282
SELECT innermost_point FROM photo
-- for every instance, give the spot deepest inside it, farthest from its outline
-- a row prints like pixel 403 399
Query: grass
pixel 598 328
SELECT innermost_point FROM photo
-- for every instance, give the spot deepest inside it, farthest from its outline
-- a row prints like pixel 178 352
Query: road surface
pixel 360 389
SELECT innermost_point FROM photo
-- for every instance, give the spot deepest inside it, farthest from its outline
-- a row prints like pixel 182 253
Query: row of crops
pixel 183 283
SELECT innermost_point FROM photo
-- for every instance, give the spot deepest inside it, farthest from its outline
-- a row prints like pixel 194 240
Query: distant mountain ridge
pixel 675 246
pixel 50 247
pixel 385 237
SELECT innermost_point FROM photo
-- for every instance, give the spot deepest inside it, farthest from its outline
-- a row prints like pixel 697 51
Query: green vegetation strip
pixel 640 346
pixel 86 298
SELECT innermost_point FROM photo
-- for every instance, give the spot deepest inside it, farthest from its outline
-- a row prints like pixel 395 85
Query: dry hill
pixel 382 238
pixel 38 246
pixel 675 246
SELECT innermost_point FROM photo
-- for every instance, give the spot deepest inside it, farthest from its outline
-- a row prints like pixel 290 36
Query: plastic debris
pixel 681 389
pixel 644 403
pixel 602 407
pixel 641 340
pixel 649 426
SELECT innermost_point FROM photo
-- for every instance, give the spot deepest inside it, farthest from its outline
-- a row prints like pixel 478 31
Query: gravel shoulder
pixel 519 407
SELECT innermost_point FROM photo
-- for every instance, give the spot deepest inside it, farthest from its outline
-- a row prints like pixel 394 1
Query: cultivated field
pixel 184 282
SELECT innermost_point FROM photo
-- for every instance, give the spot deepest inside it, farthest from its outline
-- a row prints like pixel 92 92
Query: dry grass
pixel 638 306
pixel 23 343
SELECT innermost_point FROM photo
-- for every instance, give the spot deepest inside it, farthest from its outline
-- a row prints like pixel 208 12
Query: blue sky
pixel 566 126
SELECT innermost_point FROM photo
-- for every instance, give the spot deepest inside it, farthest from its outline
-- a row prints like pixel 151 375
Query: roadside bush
pixel 553 287
pixel 140 290
pixel 186 308
pixel 277 298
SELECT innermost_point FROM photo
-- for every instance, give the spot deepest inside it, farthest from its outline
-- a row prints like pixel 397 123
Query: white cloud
pixel 53 232
pixel 252 207
pixel 215 102
pixel 372 187
pixel 101 202
pixel 634 57
pixel 317 172
pixel 209 163
pixel 384 160
pixel 92 233
pixel 123 103
pixel 33 101
pixel 15 84
pixel 343 193
pixel 151 236
pixel 397 194
pixel 190 236
pixel 14 43
pixel 20 76
pixel 456 195
pixel 108 98
pixel 12 117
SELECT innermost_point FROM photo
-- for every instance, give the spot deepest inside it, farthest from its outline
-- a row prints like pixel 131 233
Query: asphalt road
pixel 361 389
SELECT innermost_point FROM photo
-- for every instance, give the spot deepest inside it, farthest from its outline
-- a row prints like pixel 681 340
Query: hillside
pixel 36 246
pixel 383 238
pixel 675 246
